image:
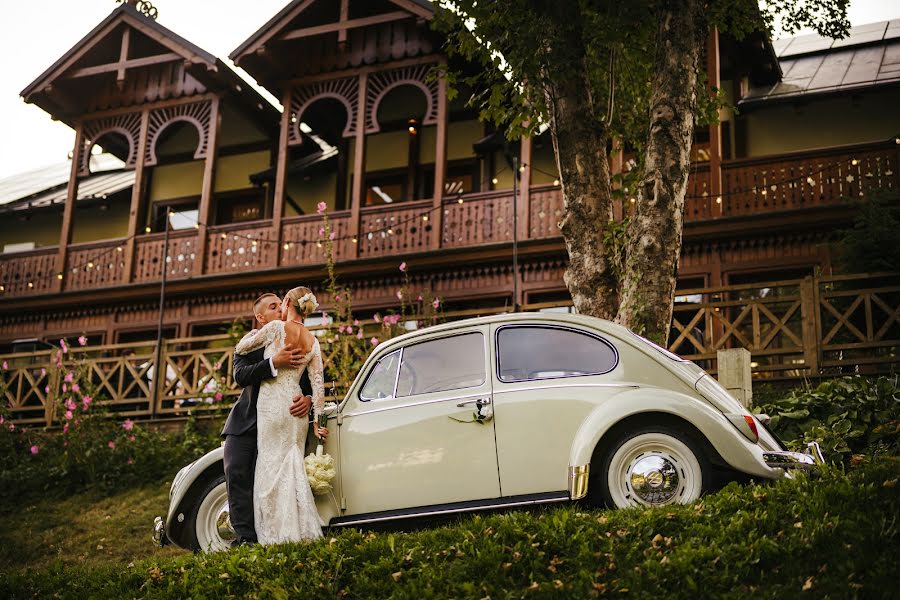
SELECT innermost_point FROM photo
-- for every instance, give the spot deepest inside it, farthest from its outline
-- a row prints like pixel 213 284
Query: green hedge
pixel 833 535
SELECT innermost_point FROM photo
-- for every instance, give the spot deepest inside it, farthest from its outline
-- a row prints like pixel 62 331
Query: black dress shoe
pixel 243 542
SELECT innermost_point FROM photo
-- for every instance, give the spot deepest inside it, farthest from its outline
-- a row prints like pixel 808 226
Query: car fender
pixel 183 487
pixel 731 445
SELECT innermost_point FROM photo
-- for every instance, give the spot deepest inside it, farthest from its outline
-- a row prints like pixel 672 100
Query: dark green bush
pixel 848 416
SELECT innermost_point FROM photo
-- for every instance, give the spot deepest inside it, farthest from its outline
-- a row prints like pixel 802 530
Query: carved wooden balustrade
pixel 813 327
pixel 750 187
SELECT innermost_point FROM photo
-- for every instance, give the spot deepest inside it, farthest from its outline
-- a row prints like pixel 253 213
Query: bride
pixel 283 504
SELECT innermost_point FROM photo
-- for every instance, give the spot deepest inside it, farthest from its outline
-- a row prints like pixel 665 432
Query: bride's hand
pixel 321 432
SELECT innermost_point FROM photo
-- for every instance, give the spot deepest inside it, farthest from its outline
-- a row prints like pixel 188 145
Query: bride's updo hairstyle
pixel 303 300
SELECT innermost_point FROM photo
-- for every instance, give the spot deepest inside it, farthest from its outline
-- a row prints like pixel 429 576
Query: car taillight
pixel 752 423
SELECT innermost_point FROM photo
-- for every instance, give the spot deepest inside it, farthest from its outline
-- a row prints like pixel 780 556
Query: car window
pixel 538 352
pixel 380 383
pixel 449 363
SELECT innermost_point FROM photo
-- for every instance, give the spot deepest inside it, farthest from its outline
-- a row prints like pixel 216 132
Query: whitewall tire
pixel 209 527
pixel 655 467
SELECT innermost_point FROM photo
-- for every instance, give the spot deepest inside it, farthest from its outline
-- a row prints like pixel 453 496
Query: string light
pixel 59 275
pixel 118 248
pixel 287 246
pixel 494 180
pixel 147 229
pixel 718 199
pixel 30 284
pixel 556 182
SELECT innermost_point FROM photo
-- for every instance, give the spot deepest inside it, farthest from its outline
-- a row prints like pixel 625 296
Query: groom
pixel 240 428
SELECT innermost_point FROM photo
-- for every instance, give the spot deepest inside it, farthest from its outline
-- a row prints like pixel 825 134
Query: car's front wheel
pixel 208 526
pixel 653 466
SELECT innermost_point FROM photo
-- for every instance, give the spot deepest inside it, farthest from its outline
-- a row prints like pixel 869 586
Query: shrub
pixel 847 416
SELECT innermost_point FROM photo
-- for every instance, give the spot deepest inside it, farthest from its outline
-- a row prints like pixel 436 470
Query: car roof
pixel 504 318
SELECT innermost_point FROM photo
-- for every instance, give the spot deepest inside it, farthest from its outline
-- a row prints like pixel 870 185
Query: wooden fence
pixel 802 328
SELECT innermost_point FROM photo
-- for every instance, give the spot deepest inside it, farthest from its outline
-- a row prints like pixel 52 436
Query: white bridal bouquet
pixel 320 466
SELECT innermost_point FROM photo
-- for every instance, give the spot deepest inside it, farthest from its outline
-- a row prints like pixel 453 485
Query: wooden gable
pixel 316 36
pixel 127 59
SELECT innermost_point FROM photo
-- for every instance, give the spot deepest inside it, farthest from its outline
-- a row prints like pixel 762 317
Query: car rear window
pixel 526 352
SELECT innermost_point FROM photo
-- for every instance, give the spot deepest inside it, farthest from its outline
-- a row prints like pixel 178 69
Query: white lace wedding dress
pixel 283 503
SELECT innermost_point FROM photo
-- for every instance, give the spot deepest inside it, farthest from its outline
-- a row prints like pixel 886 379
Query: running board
pixel 451 508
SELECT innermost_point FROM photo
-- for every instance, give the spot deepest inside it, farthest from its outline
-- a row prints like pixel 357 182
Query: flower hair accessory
pixel 305 298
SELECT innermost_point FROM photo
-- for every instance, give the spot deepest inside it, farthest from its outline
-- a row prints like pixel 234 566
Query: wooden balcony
pixel 750 187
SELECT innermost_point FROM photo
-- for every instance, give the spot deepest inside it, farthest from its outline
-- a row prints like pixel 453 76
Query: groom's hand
pixel 301 405
pixel 288 357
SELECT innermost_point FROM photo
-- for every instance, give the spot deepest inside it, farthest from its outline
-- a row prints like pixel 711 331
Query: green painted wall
pixel 186 179
pixel 89 224
pixel 41 227
pixel 320 187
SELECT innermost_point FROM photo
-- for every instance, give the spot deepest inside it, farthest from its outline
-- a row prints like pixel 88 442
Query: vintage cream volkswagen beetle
pixel 506 411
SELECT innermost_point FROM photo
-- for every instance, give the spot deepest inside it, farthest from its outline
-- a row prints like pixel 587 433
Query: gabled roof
pixel 812 65
pixel 419 8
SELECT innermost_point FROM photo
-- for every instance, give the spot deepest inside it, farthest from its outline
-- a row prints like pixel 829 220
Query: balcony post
pixel 65 235
pixel 137 194
pixel 209 182
pixel 524 174
pixel 715 129
pixel 359 164
pixel 440 165
pixel 281 170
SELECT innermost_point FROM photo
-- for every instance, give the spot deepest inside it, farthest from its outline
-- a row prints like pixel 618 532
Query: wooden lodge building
pixel 406 175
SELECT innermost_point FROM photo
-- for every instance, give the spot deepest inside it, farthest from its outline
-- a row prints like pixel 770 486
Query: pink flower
pixel 43 372
pixel 127 424
pixel 70 404
pixel 69 416
pixel 46 389
pixel 377 318
pixel 399 294
pixel 69 377
pixel 131 438
pixel 320 207
pixel 66 427
pixel 130 461
pixel 82 341
pixel 5 365
pixel 419 299
pixel 359 334
pixel 337 298
pixel 356 322
pixel 321 231
pixel 65 388
pixel 341 329
pixel 86 402
pixel 35 449
pixel 76 388
pixel 217 397
pixel 1 419
pixel 12 427
pixel 324 317
pixel 112 445
pixel 349 329
pixel 62 344
pixel 403 267
pixel 332 235
pixel 374 341
pixel 436 303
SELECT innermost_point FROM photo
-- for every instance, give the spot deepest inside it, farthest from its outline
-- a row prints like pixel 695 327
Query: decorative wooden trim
pixel 428 59
pixel 121 66
pixel 344 25
pixel 383 82
pixel 206 193
pixel 123 57
pixel 345 90
pixel 128 125
pixel 198 114
pixel 359 163
pixel 137 194
pixel 345 13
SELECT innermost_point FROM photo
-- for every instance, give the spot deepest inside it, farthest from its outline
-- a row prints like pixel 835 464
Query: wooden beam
pixel 345 13
pixel 357 71
pixel 440 164
pixel 359 163
pixel 122 65
pixel 414 8
pixel 65 235
pixel 281 168
pixel 148 106
pixel 137 195
pixel 345 25
pixel 123 56
pixel 715 130
pixel 524 174
pixel 209 178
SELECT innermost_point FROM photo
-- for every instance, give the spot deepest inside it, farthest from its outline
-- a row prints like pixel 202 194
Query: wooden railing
pixel 750 187
pixel 803 328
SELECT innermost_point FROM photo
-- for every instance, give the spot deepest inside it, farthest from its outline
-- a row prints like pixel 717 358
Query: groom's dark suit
pixel 240 439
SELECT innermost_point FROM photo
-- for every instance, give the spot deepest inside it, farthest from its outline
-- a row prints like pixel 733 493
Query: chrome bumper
pixel 796 460
pixel 159 532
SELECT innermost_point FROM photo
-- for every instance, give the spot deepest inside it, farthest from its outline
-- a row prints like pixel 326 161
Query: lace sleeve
pixel 317 381
pixel 258 338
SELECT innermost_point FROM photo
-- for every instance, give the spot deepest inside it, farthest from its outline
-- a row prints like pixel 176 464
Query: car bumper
pixel 810 459
pixel 159 532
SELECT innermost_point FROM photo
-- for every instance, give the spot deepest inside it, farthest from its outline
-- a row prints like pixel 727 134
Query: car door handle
pixel 477 402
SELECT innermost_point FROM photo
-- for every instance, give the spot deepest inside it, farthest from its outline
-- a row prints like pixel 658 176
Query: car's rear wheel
pixel 653 466
pixel 208 526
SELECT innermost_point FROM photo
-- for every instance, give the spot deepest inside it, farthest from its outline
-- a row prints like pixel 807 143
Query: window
pixel 542 352
pixel 240 206
pixel 380 383
pixel 185 214
pixel 449 363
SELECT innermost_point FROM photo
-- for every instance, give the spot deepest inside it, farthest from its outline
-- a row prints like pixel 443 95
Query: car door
pixel 408 435
pixel 547 379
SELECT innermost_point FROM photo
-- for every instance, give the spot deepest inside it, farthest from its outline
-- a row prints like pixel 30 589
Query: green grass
pixel 833 535
pixel 85 530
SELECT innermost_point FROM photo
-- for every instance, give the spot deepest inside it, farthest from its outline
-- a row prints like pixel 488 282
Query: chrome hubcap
pixel 654 479
pixel 223 524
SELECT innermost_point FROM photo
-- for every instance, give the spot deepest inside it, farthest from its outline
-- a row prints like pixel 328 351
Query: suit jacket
pixel 250 370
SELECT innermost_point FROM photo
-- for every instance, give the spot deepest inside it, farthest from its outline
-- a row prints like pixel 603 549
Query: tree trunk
pixel 580 145
pixel 653 239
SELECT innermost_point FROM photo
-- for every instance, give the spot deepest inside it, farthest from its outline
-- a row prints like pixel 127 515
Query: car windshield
pixel 670 355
